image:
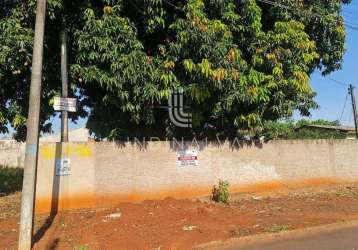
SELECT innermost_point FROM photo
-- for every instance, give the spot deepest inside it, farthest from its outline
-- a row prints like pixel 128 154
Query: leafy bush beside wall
pixel 221 193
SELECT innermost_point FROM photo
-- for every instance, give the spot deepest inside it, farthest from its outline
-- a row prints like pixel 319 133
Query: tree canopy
pixel 239 63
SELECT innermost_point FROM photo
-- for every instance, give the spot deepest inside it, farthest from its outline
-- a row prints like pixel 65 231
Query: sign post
pixel 64 78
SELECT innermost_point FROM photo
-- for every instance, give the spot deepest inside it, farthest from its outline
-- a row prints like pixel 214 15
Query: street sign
pixel 65 104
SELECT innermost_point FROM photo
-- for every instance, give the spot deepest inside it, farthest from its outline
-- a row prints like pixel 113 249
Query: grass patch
pixel 275 228
pixel 240 232
pixel 81 248
pixel 10 180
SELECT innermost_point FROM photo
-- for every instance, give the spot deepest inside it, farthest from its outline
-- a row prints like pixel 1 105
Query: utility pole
pixel 351 92
pixel 64 77
pixel 32 138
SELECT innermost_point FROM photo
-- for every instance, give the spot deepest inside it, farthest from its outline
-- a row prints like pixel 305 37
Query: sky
pixel 331 97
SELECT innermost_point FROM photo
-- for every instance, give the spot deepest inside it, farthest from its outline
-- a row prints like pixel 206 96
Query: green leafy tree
pixel 240 63
pixel 16 41
pixel 297 130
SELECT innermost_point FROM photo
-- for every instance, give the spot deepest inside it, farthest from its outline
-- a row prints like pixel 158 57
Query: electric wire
pixel 337 81
pixel 309 13
pixel 174 6
pixel 265 1
pixel 350 11
pixel 348 24
pixel 344 108
pixel 350 116
pixel 135 6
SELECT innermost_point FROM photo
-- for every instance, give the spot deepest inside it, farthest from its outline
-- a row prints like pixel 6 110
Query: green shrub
pixel 81 248
pixel 221 193
pixel 275 228
pixel 10 179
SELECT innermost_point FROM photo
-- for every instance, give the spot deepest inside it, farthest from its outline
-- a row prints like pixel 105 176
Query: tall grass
pixel 10 180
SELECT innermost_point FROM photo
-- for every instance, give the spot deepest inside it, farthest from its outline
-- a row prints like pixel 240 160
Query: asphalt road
pixel 337 239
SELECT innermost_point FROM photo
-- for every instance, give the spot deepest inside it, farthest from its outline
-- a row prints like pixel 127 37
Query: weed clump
pixel 220 193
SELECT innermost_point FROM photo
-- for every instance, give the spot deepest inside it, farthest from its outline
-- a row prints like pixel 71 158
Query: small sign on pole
pixel 65 104
pixel 63 167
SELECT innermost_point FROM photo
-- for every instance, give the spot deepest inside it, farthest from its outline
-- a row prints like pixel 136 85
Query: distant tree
pixel 279 129
pixel 240 63
pixel 296 130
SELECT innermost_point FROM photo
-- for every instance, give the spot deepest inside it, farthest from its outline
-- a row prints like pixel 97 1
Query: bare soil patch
pixel 182 224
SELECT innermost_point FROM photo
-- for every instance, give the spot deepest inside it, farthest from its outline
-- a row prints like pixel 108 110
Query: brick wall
pixel 107 173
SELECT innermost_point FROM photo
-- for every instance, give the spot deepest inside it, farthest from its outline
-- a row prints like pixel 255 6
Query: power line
pixel 174 6
pixel 349 15
pixel 350 25
pixel 344 108
pixel 350 116
pixel 309 13
pixel 350 11
pixel 356 4
pixel 337 81
pixel 135 6
pixel 278 5
pixel 166 1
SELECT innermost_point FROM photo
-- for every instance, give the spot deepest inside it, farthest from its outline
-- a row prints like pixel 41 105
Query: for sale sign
pixel 187 158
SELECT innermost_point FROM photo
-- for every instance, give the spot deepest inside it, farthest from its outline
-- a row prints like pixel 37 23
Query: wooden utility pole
pixel 32 138
pixel 354 106
pixel 64 77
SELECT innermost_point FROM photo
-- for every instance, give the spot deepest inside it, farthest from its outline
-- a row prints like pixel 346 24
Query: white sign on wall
pixel 65 104
pixel 187 158
pixel 63 167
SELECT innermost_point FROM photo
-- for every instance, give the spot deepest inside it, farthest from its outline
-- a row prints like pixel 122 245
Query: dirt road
pixel 182 224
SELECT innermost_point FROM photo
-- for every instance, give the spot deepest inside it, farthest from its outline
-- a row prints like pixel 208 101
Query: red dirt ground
pixel 182 224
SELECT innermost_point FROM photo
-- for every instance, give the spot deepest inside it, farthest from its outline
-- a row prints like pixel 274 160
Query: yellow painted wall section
pixel 49 151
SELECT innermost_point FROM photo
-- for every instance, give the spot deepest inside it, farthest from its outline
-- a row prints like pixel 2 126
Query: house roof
pixel 328 127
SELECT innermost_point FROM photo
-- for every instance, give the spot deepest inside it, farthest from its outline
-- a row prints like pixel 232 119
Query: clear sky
pixel 330 95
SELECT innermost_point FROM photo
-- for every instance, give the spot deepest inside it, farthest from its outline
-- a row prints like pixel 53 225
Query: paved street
pixel 337 239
